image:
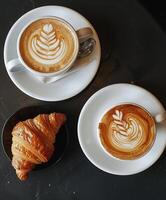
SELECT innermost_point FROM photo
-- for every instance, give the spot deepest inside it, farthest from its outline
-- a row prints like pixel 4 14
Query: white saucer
pixel 66 87
pixel 96 107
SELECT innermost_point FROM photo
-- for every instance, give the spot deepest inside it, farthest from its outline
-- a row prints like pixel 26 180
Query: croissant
pixel 33 142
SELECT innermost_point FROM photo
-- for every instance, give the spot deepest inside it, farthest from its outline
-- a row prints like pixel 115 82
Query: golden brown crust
pixel 33 140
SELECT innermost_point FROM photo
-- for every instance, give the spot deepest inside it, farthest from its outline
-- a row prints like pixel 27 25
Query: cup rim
pixel 151 145
pixel 48 73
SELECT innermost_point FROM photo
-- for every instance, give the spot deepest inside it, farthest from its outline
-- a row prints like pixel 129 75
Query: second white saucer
pixel 90 117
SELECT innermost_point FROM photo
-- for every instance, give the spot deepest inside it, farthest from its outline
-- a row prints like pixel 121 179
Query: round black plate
pixel 22 114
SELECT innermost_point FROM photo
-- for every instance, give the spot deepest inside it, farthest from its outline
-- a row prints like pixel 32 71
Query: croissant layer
pixel 33 141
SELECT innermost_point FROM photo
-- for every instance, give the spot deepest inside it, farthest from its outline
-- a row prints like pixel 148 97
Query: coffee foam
pixel 47 45
pixel 127 131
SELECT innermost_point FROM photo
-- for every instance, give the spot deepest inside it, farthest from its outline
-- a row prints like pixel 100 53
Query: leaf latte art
pixel 127 131
pixel 48 45
pixel 46 48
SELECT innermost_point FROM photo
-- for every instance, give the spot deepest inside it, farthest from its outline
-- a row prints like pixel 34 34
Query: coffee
pixel 127 131
pixel 48 45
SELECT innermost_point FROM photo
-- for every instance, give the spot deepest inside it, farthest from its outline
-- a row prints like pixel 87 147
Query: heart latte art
pixel 127 131
pixel 47 45
pixel 47 48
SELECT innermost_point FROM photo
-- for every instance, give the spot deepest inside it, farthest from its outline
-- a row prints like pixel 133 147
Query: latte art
pixel 127 131
pixel 47 48
pixel 48 45
pixel 126 134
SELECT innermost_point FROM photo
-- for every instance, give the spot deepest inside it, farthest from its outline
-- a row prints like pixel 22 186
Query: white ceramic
pixel 97 106
pixel 67 86
pixel 16 62
pixel 19 60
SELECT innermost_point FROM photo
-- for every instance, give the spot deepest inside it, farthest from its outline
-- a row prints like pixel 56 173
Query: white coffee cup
pixel 18 64
pixel 159 118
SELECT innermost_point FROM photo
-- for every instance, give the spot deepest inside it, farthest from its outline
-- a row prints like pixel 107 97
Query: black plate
pixel 22 114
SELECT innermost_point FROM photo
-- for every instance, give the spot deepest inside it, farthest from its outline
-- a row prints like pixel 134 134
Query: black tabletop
pixel 133 51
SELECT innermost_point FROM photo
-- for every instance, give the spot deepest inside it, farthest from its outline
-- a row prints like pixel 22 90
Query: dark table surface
pixel 133 50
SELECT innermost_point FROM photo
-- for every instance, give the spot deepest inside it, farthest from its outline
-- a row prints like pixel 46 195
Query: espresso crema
pixel 48 45
pixel 127 131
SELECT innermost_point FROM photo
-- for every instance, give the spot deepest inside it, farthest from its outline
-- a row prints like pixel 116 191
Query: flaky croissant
pixel 33 141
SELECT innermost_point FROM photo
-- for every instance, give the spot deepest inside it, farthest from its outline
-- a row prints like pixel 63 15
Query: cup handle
pixel 15 65
pixel 160 117
pixel 84 33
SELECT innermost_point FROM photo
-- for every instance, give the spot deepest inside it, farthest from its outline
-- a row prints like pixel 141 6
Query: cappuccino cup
pixel 128 131
pixel 48 47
